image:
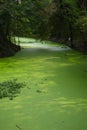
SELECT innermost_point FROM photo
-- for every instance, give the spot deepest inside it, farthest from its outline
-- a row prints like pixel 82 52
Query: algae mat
pixel 55 95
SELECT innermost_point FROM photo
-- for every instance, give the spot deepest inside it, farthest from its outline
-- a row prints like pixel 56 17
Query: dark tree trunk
pixel 7 48
pixel 71 35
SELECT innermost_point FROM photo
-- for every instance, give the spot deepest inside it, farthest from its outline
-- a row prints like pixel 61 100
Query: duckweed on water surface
pixel 10 88
pixel 55 95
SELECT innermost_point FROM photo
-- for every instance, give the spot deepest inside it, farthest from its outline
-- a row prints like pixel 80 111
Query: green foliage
pixel 82 4
pixel 43 19
pixel 82 24
pixel 63 19
pixel 69 20
pixel 37 17
pixel 10 88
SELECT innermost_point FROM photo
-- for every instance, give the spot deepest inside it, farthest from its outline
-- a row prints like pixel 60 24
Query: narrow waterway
pixel 55 95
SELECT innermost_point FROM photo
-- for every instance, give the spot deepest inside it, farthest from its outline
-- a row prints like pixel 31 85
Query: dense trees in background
pixel 60 20
pixel 69 23
pixel 82 24
pixel 82 4
pixel 63 21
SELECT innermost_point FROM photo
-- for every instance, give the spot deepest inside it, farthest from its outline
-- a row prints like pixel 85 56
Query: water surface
pixel 55 95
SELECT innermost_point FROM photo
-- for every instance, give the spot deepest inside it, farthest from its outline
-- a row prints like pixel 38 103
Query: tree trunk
pixel 7 48
pixel 71 35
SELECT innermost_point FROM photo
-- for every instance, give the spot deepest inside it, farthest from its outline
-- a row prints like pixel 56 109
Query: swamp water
pixel 55 95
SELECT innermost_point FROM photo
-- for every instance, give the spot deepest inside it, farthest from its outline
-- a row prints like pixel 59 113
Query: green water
pixel 55 95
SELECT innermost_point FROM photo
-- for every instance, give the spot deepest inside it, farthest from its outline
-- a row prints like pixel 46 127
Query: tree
pixel 36 17
pixel 82 4
pixel 6 46
pixel 63 20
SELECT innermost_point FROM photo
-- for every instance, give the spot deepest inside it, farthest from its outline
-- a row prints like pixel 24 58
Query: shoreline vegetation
pixel 8 49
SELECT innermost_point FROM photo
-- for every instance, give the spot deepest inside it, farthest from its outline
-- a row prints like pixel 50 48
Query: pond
pixel 55 94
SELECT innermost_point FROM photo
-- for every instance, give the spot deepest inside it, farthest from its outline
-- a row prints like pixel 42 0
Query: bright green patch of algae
pixel 55 95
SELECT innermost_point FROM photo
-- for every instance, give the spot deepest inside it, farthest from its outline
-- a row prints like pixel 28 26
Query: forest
pixel 63 21
pixel 43 64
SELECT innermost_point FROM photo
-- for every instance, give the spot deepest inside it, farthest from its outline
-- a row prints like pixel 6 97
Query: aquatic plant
pixel 10 88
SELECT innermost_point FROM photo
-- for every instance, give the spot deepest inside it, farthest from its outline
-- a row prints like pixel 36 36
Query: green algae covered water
pixel 55 95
